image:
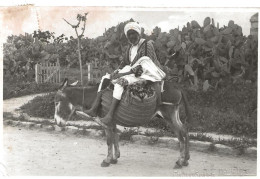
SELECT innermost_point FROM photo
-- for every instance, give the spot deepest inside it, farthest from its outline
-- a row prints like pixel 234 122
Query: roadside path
pixel 39 153
pixel 10 105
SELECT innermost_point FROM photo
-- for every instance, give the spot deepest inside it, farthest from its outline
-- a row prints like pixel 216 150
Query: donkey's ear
pixel 64 84
pixel 74 84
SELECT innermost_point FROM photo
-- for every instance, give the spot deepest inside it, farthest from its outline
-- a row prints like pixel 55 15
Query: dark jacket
pixel 145 49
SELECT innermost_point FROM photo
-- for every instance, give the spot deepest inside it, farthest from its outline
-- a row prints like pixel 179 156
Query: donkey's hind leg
pixel 181 131
pixel 171 115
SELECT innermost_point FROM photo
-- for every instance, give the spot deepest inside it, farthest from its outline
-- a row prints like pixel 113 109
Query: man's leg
pixel 117 94
pixel 94 108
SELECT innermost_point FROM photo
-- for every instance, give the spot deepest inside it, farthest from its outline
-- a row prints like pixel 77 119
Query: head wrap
pixel 132 26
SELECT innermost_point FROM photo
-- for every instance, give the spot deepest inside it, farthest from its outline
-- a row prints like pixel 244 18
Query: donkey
pixel 68 97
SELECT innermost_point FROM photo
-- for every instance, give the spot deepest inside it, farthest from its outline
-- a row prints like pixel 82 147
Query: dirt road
pixel 41 153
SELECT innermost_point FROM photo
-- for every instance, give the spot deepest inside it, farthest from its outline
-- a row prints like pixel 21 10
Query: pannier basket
pixel 131 111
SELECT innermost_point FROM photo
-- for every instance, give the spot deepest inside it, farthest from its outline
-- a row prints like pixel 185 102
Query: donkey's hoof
pixel 113 161
pixel 185 163
pixel 104 164
pixel 118 155
pixel 177 165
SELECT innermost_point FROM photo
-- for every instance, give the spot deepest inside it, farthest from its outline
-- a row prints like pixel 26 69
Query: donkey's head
pixel 63 106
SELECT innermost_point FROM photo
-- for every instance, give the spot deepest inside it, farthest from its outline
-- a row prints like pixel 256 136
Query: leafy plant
pixel 41 106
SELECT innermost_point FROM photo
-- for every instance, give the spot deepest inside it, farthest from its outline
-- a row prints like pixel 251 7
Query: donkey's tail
pixel 187 107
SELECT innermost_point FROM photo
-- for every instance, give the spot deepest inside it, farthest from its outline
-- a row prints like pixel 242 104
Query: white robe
pixel 150 71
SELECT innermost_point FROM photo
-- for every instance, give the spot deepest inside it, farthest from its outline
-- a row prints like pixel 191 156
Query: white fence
pixel 47 72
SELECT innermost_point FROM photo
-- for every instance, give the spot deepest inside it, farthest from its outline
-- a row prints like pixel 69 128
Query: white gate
pixel 47 72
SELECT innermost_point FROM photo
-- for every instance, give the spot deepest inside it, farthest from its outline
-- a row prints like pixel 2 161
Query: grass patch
pixel 40 106
pixel 231 110
pixel 238 143
pixel 210 119
pixel 234 142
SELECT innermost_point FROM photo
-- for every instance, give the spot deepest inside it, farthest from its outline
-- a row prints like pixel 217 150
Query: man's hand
pixel 115 75
pixel 138 70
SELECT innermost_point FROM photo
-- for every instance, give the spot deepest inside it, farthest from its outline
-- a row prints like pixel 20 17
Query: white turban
pixel 132 26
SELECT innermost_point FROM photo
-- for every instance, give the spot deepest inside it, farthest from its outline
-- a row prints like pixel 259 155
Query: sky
pixel 20 19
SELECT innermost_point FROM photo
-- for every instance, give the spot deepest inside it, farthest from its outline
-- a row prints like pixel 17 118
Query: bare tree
pixel 80 18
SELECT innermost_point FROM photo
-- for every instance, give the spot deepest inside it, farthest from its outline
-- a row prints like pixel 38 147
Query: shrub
pixel 41 106
pixel 15 88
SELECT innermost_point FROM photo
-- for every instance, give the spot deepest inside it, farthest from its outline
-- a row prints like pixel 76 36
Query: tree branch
pixel 76 32
pixel 78 24
pixel 68 23
pixel 84 24
pixel 83 28
pixel 73 26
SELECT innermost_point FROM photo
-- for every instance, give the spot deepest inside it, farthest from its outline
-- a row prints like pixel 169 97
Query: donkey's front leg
pixel 116 147
pixel 109 135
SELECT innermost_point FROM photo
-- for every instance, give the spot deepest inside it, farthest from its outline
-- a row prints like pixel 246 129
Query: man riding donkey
pixel 139 64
